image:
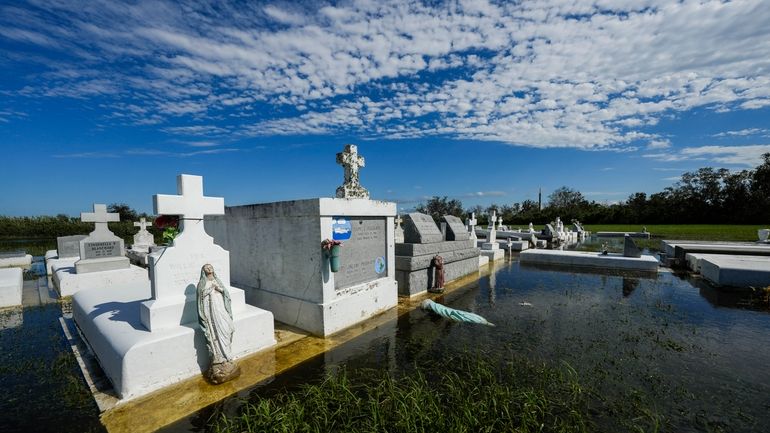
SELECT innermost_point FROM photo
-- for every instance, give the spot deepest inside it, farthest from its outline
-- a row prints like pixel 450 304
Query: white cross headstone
pixel 352 162
pixel 499 222
pixel 492 237
pixel 100 217
pixel 143 239
pixel 191 205
pixel 142 224
pixel 472 225
pixel 174 271
pixel 399 231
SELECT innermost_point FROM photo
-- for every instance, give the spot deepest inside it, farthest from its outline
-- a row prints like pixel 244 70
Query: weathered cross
pixel 472 225
pixel 351 161
pixel 191 205
pixel 399 220
pixel 499 221
pixel 142 224
pixel 492 220
pixel 100 217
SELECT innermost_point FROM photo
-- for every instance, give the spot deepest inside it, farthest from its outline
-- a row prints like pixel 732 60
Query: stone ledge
pixel 406 263
pixel 433 248
pixel 417 282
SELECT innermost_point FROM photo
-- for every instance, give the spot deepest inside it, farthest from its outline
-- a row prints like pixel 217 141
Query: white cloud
pixel 749 155
pixel 743 132
pixel 544 74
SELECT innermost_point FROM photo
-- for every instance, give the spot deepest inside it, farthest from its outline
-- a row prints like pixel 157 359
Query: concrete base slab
pixel 493 255
pixel 518 245
pixel 352 305
pixel 67 282
pixel 24 261
pixel 413 283
pixel 56 262
pixel 490 246
pixel 483 260
pixel 138 361
pixel 590 259
pixel 11 283
pixel 678 249
pixel 736 271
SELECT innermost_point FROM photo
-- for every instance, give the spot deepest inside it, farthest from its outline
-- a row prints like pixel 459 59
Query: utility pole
pixel 539 198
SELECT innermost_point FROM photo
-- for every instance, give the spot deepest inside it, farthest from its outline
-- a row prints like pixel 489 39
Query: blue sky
pixel 486 102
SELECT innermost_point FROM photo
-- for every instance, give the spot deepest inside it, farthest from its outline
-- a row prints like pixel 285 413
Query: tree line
pixel 705 196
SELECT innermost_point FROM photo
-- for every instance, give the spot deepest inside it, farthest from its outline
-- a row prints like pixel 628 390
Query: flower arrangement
pixel 327 244
pixel 170 226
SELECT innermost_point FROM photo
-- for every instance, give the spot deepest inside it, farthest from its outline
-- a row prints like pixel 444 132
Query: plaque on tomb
pixel 69 246
pixel 363 257
pixel 456 230
pixel 420 229
pixel 630 249
pixel 102 249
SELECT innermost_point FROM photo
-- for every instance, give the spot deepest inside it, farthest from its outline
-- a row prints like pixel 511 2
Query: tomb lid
pixel 420 229
pixel 456 230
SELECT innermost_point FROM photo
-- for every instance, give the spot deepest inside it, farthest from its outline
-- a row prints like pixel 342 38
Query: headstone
pixel 549 230
pixel 421 229
pixel 12 254
pixel 472 225
pixel 531 228
pixel 399 237
pixel 69 246
pixel 492 221
pixel 455 229
pixel 174 270
pixel 143 239
pixel 630 249
pixel 101 250
pixel 492 236
pixel 499 222
pixel 763 234
pixel 352 162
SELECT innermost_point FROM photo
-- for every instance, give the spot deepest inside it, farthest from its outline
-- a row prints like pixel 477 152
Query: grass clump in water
pixel 465 393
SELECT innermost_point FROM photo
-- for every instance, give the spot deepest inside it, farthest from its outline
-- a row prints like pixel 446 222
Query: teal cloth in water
pixel 452 314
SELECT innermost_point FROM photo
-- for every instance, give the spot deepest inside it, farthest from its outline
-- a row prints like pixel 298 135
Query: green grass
pixel 713 232
pixel 459 393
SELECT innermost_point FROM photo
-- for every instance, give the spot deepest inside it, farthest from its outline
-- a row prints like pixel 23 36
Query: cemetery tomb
pixel 18 258
pixel 65 255
pixel 102 263
pixel 423 241
pixel 613 261
pixel 146 337
pixel 277 259
pixel 736 271
pixel 11 282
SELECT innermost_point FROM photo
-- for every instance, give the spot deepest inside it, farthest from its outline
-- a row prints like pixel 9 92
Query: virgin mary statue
pixel 215 318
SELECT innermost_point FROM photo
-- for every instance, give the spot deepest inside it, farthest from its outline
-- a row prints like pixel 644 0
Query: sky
pixel 486 102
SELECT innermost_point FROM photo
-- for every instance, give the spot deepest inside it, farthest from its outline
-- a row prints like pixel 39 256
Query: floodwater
pixel 684 355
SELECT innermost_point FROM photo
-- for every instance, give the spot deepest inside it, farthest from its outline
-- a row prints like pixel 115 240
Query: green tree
pixel 125 211
pixel 437 206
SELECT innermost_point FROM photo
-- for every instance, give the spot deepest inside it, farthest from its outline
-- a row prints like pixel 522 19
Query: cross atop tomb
pixel 492 220
pixel 100 217
pixel 499 221
pixel 399 220
pixel 352 162
pixel 191 205
pixel 142 224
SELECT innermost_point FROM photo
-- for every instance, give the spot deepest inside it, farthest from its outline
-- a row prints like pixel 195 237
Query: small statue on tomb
pixel 605 249
pixel 215 317
pixel 438 275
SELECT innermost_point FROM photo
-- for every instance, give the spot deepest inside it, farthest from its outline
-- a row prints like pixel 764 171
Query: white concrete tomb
pixel 146 338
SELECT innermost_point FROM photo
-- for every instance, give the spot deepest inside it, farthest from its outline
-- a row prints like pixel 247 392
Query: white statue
pixel 215 317
pixel 531 228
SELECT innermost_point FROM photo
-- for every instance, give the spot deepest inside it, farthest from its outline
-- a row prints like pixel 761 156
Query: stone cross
pixel 472 225
pixel 499 222
pixel 191 205
pixel 492 220
pixel 100 217
pixel 142 224
pixel 352 162
pixel 492 237
pixel 399 220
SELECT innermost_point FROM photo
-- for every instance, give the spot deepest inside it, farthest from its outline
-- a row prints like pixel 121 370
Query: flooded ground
pixel 665 353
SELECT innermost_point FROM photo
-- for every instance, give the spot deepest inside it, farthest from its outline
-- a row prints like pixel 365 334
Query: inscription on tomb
pixel 364 256
pixel 420 229
pixel 99 250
